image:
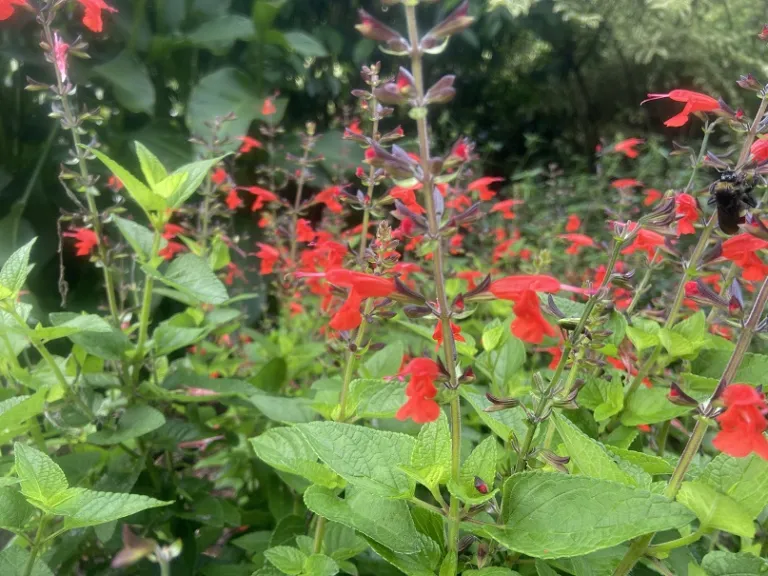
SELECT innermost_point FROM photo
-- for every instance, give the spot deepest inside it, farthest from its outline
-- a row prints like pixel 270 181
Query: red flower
pixel 92 16
pixel 741 250
pixel 512 287
pixel 759 150
pixel 114 183
pixel 461 150
pixel 354 127
pixel 219 176
pixel 171 250
pixel 646 241
pixel 573 224
pixel 85 240
pixel 233 200
pixel 437 335
pixel 470 276
pixel 482 186
pixel 348 317
pixel 407 196
pixel 329 197
pixel 557 354
pixel 171 231
pixel 269 257
pixel 248 144
pixel 763 35
pixel 743 423
pixel 6 7
pixel 60 51
pixel 694 102
pixel 625 183
pixel 304 232
pixel 233 272
pixel 268 108
pixel 262 197
pixel 505 207
pixel 420 406
pixel 529 324
pixel 652 196
pixel 688 209
pixel 459 203
pixel 366 285
pixel 578 241
pixel 627 147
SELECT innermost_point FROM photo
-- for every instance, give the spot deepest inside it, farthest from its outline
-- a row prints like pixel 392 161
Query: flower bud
pixel 749 82
pixel 481 486
pixel 442 91
pixel 557 462
pixel 455 22
pixel 680 398
pixel 375 30
pixel 498 404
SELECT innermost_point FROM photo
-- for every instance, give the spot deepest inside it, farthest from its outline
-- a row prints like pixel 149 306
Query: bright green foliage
pixel 715 510
pixel 14 272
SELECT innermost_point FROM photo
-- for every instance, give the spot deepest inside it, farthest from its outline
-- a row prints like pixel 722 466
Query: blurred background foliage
pixel 540 83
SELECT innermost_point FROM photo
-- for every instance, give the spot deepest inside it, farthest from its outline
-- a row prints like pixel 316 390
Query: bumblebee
pixel 732 194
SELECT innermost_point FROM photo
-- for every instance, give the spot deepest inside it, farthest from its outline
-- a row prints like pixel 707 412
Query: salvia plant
pixel 436 387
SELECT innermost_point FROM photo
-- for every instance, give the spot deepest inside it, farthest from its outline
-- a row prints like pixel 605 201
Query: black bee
pixel 732 193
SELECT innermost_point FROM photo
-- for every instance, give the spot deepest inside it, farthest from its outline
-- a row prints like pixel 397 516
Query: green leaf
pixel 286 449
pixel 364 457
pixel 136 189
pixel 549 515
pixel 493 334
pixel 643 334
pixel 480 464
pixel 131 83
pixel 284 410
pixel 424 563
pixel 715 510
pixel 651 464
pixel 588 455
pixel 77 324
pixel 745 480
pixel 693 328
pixel 544 569
pixel 341 542
pixel 168 186
pixel 15 511
pixel 191 275
pixel 18 409
pixel 431 457
pixel 492 571
pixel 106 345
pixel 287 559
pixel 731 564
pixel 383 520
pixel 305 45
pixel 503 363
pixel 649 406
pixel 320 565
pixel 82 507
pixel 139 237
pixel 385 362
pixel 220 34
pixel 376 398
pixel 13 562
pixel 194 174
pixel 153 170
pixel 14 272
pixel 712 363
pixel 677 345
pixel 503 423
pixel 135 422
pixel 604 397
pixel 167 337
pixel 42 481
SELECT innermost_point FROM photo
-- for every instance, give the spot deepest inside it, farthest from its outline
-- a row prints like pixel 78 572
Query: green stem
pixel 371 184
pixel 640 290
pixel 146 309
pixel 708 128
pixel 678 543
pixel 745 149
pixel 297 201
pixel 205 215
pixel 438 259
pixel 351 366
pixel 663 436
pixel 35 550
pixel 320 526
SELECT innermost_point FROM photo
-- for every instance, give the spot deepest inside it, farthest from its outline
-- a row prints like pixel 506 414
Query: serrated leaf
pixel 649 406
pixel 153 170
pixel 320 565
pixel 139 237
pixel 364 457
pixel 341 542
pixel 17 410
pixel 134 422
pixel 732 564
pixel 287 559
pixel 82 507
pixel 167 338
pixel 14 560
pixel 384 520
pixel 424 563
pixel 194 174
pixel 712 363
pixel 745 480
pixel 286 449
pixel 375 398
pixel 714 510
pixel 192 276
pixel 503 423
pixel 676 345
pixel 109 346
pixel 604 397
pixel 15 270
pixel 642 340
pixel 385 362
pixel 649 463
pixel 77 324
pixel 549 515
pixel 432 452
pixel 588 455
pixel 284 410
pixel 503 363
pixel 493 334
pixel 481 463
pixel 42 481
pixel 15 511
pixel 137 190
pixel 170 185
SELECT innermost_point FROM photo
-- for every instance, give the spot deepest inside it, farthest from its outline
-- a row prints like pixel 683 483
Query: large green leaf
pixel 130 81
pixel 364 457
pixel 383 520
pixel 82 507
pixel 15 270
pixel 730 564
pixel 425 563
pixel 18 409
pixel 714 510
pixel 168 337
pixel 193 276
pixel 42 481
pixel 548 515
pixel 503 423
pixel 305 45
pixel 135 422
pixel 15 511
pixel 139 237
pixel 649 406
pixel 14 560
pixel 745 480
pixel 110 345
pixel 138 191
pixel 287 559
pixel 194 173
pixel 284 410
pixel 711 364
pixel 77 324
pixel 220 34
pixel 431 457
pixel 481 464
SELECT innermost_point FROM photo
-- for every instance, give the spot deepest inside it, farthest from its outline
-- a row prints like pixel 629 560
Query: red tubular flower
pixel 330 197
pixel 512 287
pixel 578 241
pixel 652 196
pixel 348 317
pixel 462 150
pixel 741 250
pixel 420 406
pixel 471 277
pixel 646 241
pixel 249 144
pixel 85 240
pixel 694 102
pixel 219 176
pixel 743 423
pixel 262 197
pixel 437 335
pixel 366 285
pixel 233 200
pixel 268 108
pixel 505 207
pixel 625 183
pixel 529 324
pixel 354 127
pixel 763 34
pixel 171 250
pixel 6 7
pixel 482 187
pixel 92 17
pixel 686 207
pixel 759 150
pixel 60 52
pixel 233 272
pixel 573 223
pixel 627 147
pixel 269 257
pixel 304 232
pixel 557 354
pixel 408 197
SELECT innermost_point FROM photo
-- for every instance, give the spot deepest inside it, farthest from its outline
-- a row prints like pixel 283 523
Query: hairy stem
pixel 205 215
pixel 351 365
pixel 320 526
pixel 373 104
pixel 146 309
pixel 35 550
pixel 449 346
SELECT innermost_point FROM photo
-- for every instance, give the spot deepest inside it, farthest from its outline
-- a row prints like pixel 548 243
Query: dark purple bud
pixel 749 82
pixel 471 214
pixel 481 486
pixel 700 293
pixel 410 294
pixel 468 376
pixel 362 94
pixel 557 462
pixel 680 398
pixel 354 136
pixel 413 311
pixel 395 134
pixel 397 163
pixel 553 308
pixel 455 22
pixel 714 161
pixel 389 94
pixel 442 91
pixel 377 346
pixel 726 108
pixel 465 542
pixel 373 29
pixel 622 280
pixel 498 404
pixel 478 291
